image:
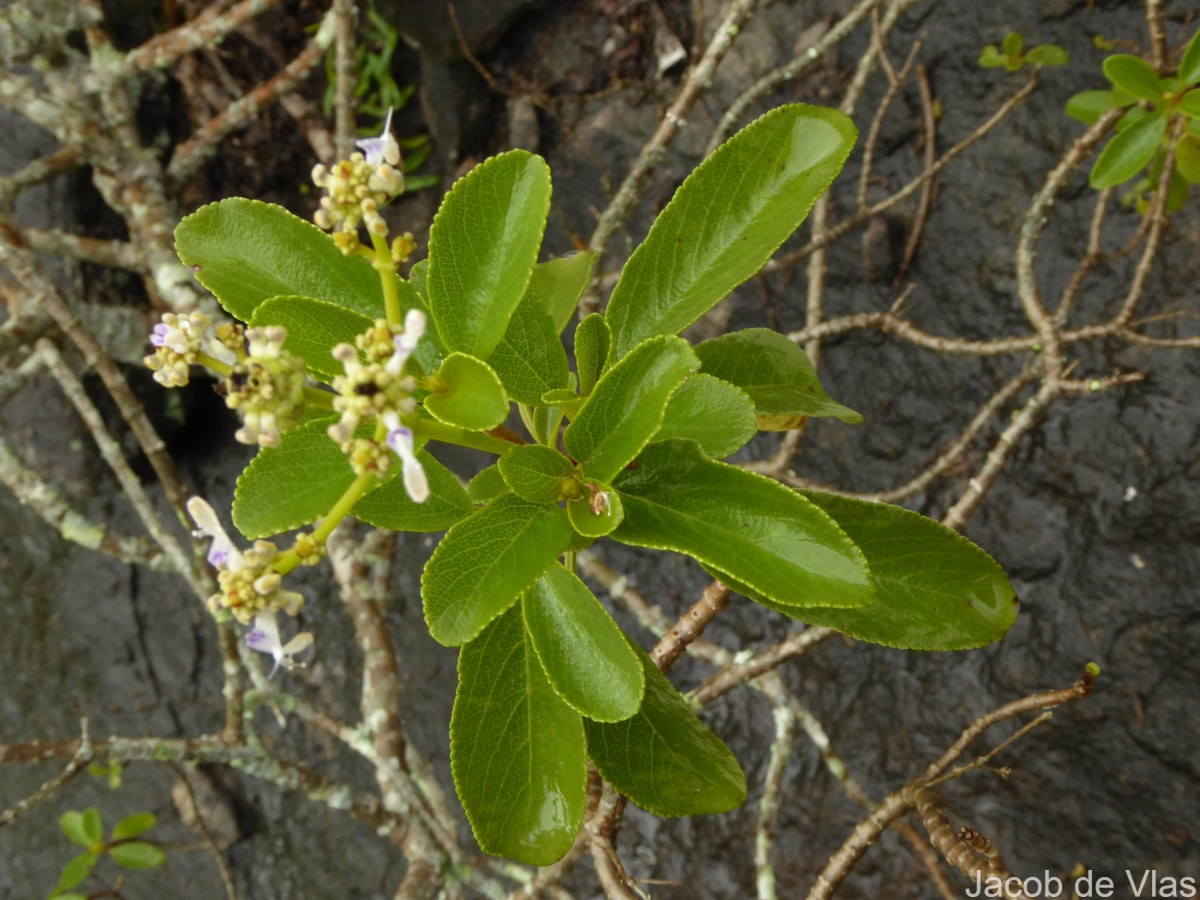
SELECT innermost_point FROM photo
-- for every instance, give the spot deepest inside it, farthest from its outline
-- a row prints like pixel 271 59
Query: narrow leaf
pixel 583 651
pixel 664 758
pixel 467 393
pixel 727 219
pixel 314 327
pixel 557 284
pixel 246 252
pixel 593 339
pixel 534 472
pixel 760 532
pixel 482 246
pixel 530 359
pixel 1129 152
pixel 714 413
pixel 516 749
pixel 484 564
pixel 1135 75
pixel 133 825
pixel 627 406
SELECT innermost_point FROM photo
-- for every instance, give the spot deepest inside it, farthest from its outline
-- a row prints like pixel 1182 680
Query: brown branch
pixel 63 160
pixel 117 254
pixel 206 30
pixel 923 204
pixel 690 626
pixel 345 78
pixel 737 674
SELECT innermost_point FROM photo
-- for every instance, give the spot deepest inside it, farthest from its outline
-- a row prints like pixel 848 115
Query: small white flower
pixel 400 440
pixel 264 637
pixel 223 554
pixel 406 341
pixel 383 148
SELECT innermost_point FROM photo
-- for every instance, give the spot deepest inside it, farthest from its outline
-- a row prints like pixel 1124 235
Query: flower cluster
pixel 376 387
pixel 180 340
pixel 266 388
pixel 355 188
pixel 251 590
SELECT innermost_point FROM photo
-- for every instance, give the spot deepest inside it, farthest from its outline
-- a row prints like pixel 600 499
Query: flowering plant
pixel 343 366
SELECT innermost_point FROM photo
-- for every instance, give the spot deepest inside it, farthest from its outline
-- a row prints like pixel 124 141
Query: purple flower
pixel 222 554
pixel 400 440
pixel 264 638
pixel 383 148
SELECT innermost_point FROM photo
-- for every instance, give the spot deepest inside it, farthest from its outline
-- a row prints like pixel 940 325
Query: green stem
pixel 211 362
pixel 433 430
pixel 386 267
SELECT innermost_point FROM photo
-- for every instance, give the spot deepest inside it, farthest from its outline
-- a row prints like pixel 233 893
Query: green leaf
pixel 565 399
pixel 1088 106
pixel 137 855
pixel 389 505
pixel 546 420
pixel 467 393
pixel 1189 66
pixel 583 651
pixel 1048 55
pixel 484 564
pixel 290 485
pixel 593 339
pixel 482 246
pixel 595 516
pixel 314 327
pixel 727 219
pixel 1129 151
pixel 627 406
pixel 1135 75
pixel 934 589
pixel 75 871
pixel 774 371
pixel 1187 157
pixel 84 829
pixel 132 826
pixel 1190 103
pixel 714 413
pixel 516 749
pixel 534 472
pixel 1013 42
pixel 760 532
pixel 991 57
pixel 487 485
pixel 559 283
pixel 664 758
pixel 245 252
pixel 530 359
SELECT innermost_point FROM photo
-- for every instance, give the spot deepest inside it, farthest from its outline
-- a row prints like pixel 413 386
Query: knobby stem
pixel 386 267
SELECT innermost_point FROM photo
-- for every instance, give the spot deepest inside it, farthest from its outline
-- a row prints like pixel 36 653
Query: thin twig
pixel 206 30
pixel 40 170
pixel 690 626
pixel 345 78
pixel 927 189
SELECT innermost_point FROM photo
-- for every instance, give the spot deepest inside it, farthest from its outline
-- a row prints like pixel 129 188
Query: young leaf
pixel 760 532
pixel 1013 42
pixel 774 371
pixel 313 328
pixel 1048 55
pixel 627 406
pixel 557 284
pixel 132 826
pixel 74 872
pixel 714 413
pixel 593 338
pixel 516 749
pixel 1088 106
pixel 84 829
pixel 546 420
pixel 596 514
pixel 664 758
pixel 934 589
pixel 534 472
pixel 484 564
pixel 1129 151
pixel 487 485
pixel 1135 75
pixel 991 57
pixel 468 394
pixel 482 247
pixel 137 855
pixel 245 252
pixel 727 219
pixel 1189 66
pixel 389 505
pixel 1187 157
pixel 583 651
pixel 530 359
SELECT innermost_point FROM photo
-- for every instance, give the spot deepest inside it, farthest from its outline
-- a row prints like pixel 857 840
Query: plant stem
pixel 211 362
pixel 451 434
pixel 386 267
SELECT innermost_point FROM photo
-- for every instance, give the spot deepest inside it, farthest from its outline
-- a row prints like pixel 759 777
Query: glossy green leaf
pixel 84 829
pixel 75 871
pixel 1187 157
pixel 546 421
pixel 1048 55
pixel 593 338
pixel 1088 106
pixel 559 283
pixel 714 413
pixel 627 406
pixel 530 359
pixel 468 394
pixel 482 247
pixel 1189 66
pixel 314 327
pixel 534 472
pixel 246 252
pixel 565 399
pixel 137 855
pixel 934 589
pixel 484 564
pixel 727 219
pixel 430 351
pixel 290 485
pixel 389 506
pixel 664 758
pixel 1190 102
pixel 583 651
pixel 763 534
pixel 487 485
pixel 598 513
pixel 1135 75
pixel 1129 151
pixel 516 749
pixel 133 825
pixel 774 371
